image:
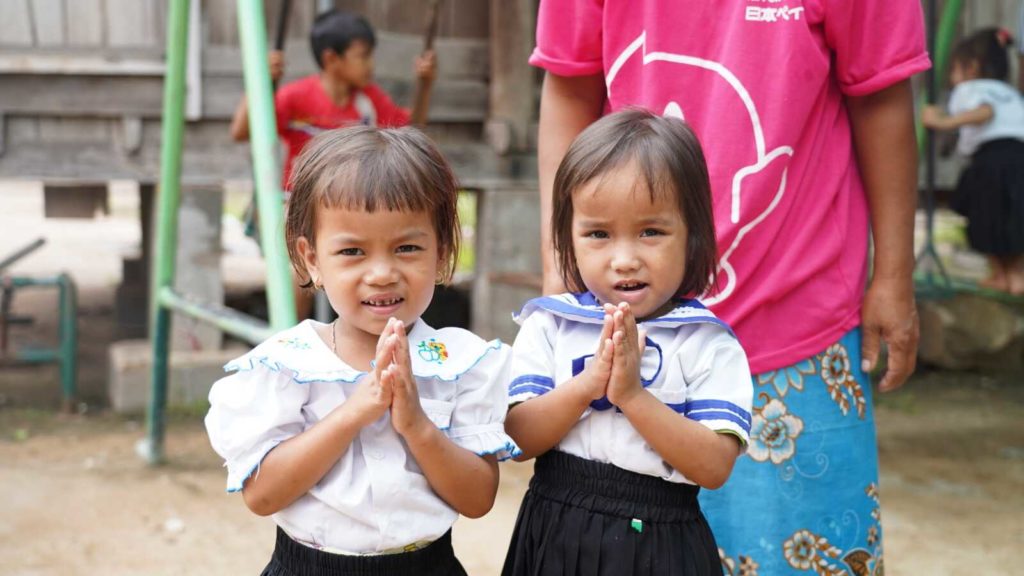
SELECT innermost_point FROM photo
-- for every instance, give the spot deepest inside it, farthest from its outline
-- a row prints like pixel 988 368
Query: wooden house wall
pixel 81 80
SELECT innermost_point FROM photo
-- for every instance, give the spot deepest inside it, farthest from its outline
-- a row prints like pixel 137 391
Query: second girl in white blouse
pixel 630 393
pixel 367 437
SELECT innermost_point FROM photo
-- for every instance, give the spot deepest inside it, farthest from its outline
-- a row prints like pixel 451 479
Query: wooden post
pixel 512 87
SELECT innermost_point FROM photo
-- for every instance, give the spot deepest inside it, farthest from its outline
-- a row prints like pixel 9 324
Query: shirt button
pixel 377 455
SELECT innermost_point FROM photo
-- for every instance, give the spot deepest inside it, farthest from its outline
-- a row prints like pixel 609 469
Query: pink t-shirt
pixel 304 110
pixel 762 83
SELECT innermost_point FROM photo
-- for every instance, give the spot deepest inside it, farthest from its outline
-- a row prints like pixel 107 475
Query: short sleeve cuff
pixel 485 440
pixel 244 466
pixel 529 386
pixel 565 67
pixel 888 77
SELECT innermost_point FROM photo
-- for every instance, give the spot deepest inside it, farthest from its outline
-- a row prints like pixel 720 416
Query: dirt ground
pixel 75 498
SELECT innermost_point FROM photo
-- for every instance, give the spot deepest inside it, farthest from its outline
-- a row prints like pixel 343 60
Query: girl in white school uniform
pixel 365 438
pixel 630 394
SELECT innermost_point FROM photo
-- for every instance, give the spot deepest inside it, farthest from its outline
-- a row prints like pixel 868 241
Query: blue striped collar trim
pixel 584 307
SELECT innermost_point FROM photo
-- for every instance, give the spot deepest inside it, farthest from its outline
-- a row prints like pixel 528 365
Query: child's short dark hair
pixel 670 160
pixel 371 169
pixel 336 30
pixel 987 48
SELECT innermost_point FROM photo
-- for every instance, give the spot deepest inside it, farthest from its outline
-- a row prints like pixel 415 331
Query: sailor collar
pixel 444 354
pixel 585 308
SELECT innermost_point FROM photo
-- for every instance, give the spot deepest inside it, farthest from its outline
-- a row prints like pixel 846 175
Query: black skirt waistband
pixel 296 558
pixel 608 489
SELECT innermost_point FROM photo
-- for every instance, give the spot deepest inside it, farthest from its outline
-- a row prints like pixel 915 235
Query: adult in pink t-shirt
pixel 805 113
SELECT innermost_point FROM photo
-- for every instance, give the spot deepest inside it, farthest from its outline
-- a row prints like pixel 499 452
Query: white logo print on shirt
pixel 746 216
pixel 772 13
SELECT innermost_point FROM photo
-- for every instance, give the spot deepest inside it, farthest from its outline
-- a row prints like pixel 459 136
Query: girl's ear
pixel 308 255
pixel 442 269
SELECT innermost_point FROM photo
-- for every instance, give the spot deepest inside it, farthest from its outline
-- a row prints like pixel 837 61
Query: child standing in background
pixel 989 114
pixel 366 438
pixel 342 94
pixel 630 395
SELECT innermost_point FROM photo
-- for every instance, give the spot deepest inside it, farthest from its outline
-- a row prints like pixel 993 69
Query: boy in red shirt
pixel 343 93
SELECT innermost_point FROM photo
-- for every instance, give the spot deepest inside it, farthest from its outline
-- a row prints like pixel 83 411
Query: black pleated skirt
pixel 586 518
pixel 294 559
pixel 990 193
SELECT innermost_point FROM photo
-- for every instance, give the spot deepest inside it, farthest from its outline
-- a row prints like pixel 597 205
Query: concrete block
pixel 192 373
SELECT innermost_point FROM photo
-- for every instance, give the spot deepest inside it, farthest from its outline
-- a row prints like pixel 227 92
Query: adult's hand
pixel 883 136
pixel 890 315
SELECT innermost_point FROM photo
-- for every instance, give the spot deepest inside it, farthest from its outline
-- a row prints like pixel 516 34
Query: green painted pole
pixel 173 125
pixel 68 340
pixel 943 44
pixel 227 320
pixel 252 30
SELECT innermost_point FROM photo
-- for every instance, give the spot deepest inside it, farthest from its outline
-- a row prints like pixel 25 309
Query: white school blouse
pixel 692 362
pixel 1007 109
pixel 375 498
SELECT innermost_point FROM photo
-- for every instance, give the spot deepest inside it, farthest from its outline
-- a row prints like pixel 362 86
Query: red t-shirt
pixel 304 110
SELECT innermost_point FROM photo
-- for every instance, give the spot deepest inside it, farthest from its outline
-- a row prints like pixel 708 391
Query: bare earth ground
pixel 75 499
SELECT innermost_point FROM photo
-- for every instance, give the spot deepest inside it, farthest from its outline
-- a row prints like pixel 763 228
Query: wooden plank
pixel 88 65
pixel 87 16
pixel 221 23
pixel 74 130
pixel 466 19
pixel 512 84
pixel 128 23
pixel 94 95
pixel 458 58
pixel 22 130
pixel 15 23
pixel 452 100
pixel 48 19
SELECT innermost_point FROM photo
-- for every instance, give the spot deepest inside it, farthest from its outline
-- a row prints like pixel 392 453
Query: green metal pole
pixel 68 339
pixel 173 126
pixel 252 30
pixel 940 59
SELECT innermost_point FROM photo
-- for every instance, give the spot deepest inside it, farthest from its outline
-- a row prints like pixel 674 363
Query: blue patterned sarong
pixel 804 498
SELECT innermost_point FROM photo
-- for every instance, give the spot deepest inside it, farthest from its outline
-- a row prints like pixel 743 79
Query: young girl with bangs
pixel 629 393
pixel 989 114
pixel 366 438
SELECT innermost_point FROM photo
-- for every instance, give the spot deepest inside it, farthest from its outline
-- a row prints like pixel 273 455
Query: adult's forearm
pixel 883 134
pixel 567 106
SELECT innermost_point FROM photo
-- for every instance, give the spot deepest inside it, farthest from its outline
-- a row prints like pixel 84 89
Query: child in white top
pixel 989 114
pixel 630 394
pixel 365 438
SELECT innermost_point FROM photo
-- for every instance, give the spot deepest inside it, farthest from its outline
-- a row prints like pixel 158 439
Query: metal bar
pixel 167 221
pixel 67 348
pixel 68 340
pixel 21 253
pixel 940 43
pixel 230 321
pixel 939 48
pixel 263 137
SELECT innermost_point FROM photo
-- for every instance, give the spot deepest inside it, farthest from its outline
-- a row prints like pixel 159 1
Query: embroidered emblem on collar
pixel 294 343
pixel 433 351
